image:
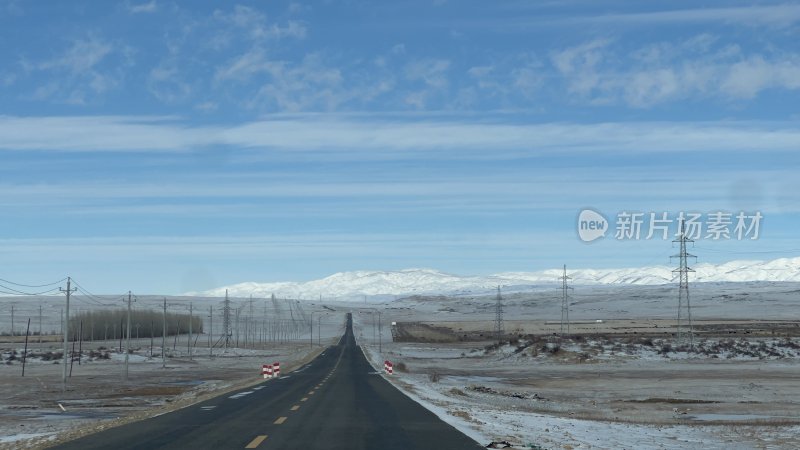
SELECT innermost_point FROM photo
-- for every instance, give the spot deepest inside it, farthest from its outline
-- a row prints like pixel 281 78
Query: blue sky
pixel 166 146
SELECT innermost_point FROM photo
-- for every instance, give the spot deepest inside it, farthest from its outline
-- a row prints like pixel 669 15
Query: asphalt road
pixel 335 402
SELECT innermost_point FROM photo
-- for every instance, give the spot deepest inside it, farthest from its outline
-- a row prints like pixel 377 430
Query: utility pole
pixel 319 331
pixel 564 302
pixel 210 331
pixel 238 311
pixel 226 320
pixel 164 337
pixel 264 325
pixel 12 319
pixel 249 325
pixel 25 352
pixel 189 344
pixel 683 287
pixel 40 323
pixel 80 341
pixel 128 338
pixel 499 328
pixel 68 291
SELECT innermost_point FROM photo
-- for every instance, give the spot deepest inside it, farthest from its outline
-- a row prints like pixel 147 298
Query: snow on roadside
pixel 486 423
pixel 14 438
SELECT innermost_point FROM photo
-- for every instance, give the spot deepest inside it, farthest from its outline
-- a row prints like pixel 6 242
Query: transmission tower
pixel 499 329
pixel 226 320
pixel 565 302
pixel 683 288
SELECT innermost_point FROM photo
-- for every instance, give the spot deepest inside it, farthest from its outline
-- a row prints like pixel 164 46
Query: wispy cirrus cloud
pixel 255 25
pixel 89 67
pixel 139 8
pixel 755 15
pixel 601 72
pixel 360 136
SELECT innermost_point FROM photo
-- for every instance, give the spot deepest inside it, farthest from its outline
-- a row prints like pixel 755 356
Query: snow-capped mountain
pixel 355 285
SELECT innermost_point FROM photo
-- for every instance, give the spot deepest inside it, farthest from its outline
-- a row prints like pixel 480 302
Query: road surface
pixel 335 402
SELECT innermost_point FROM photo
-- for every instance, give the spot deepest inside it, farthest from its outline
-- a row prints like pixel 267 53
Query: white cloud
pixel 579 65
pixel 206 106
pixel 166 83
pixel 256 27
pixel 300 87
pixel 653 86
pixel 600 73
pixel 432 72
pixel 148 7
pixel 756 15
pixel 244 66
pixel 746 78
pixel 87 68
pixel 82 56
pixel 353 136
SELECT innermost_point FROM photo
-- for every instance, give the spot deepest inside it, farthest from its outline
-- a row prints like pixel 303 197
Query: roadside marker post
pixel 276 370
pixel 266 371
pixel 388 367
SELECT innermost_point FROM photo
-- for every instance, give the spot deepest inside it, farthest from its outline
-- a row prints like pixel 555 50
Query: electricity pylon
pixel 565 302
pixel 499 328
pixel 683 288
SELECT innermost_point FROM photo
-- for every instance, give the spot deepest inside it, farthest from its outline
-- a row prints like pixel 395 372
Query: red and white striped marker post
pixel 388 367
pixel 266 370
pixel 276 370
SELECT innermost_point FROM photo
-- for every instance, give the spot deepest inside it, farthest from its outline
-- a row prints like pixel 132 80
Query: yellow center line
pixel 295 407
pixel 304 399
pixel 280 420
pixel 257 441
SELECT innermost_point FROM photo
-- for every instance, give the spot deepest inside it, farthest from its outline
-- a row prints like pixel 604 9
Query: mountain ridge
pixel 418 281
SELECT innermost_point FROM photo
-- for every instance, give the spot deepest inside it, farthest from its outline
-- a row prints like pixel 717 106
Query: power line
pixel 32 285
pixel 12 291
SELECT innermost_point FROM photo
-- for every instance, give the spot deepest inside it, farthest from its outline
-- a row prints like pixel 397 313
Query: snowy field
pixel 35 412
pixel 607 387
pixel 621 385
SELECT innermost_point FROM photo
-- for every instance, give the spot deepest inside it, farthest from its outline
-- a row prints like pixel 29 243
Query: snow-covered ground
pixel 627 394
pixel 632 392
pixel 98 396
pixel 479 406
